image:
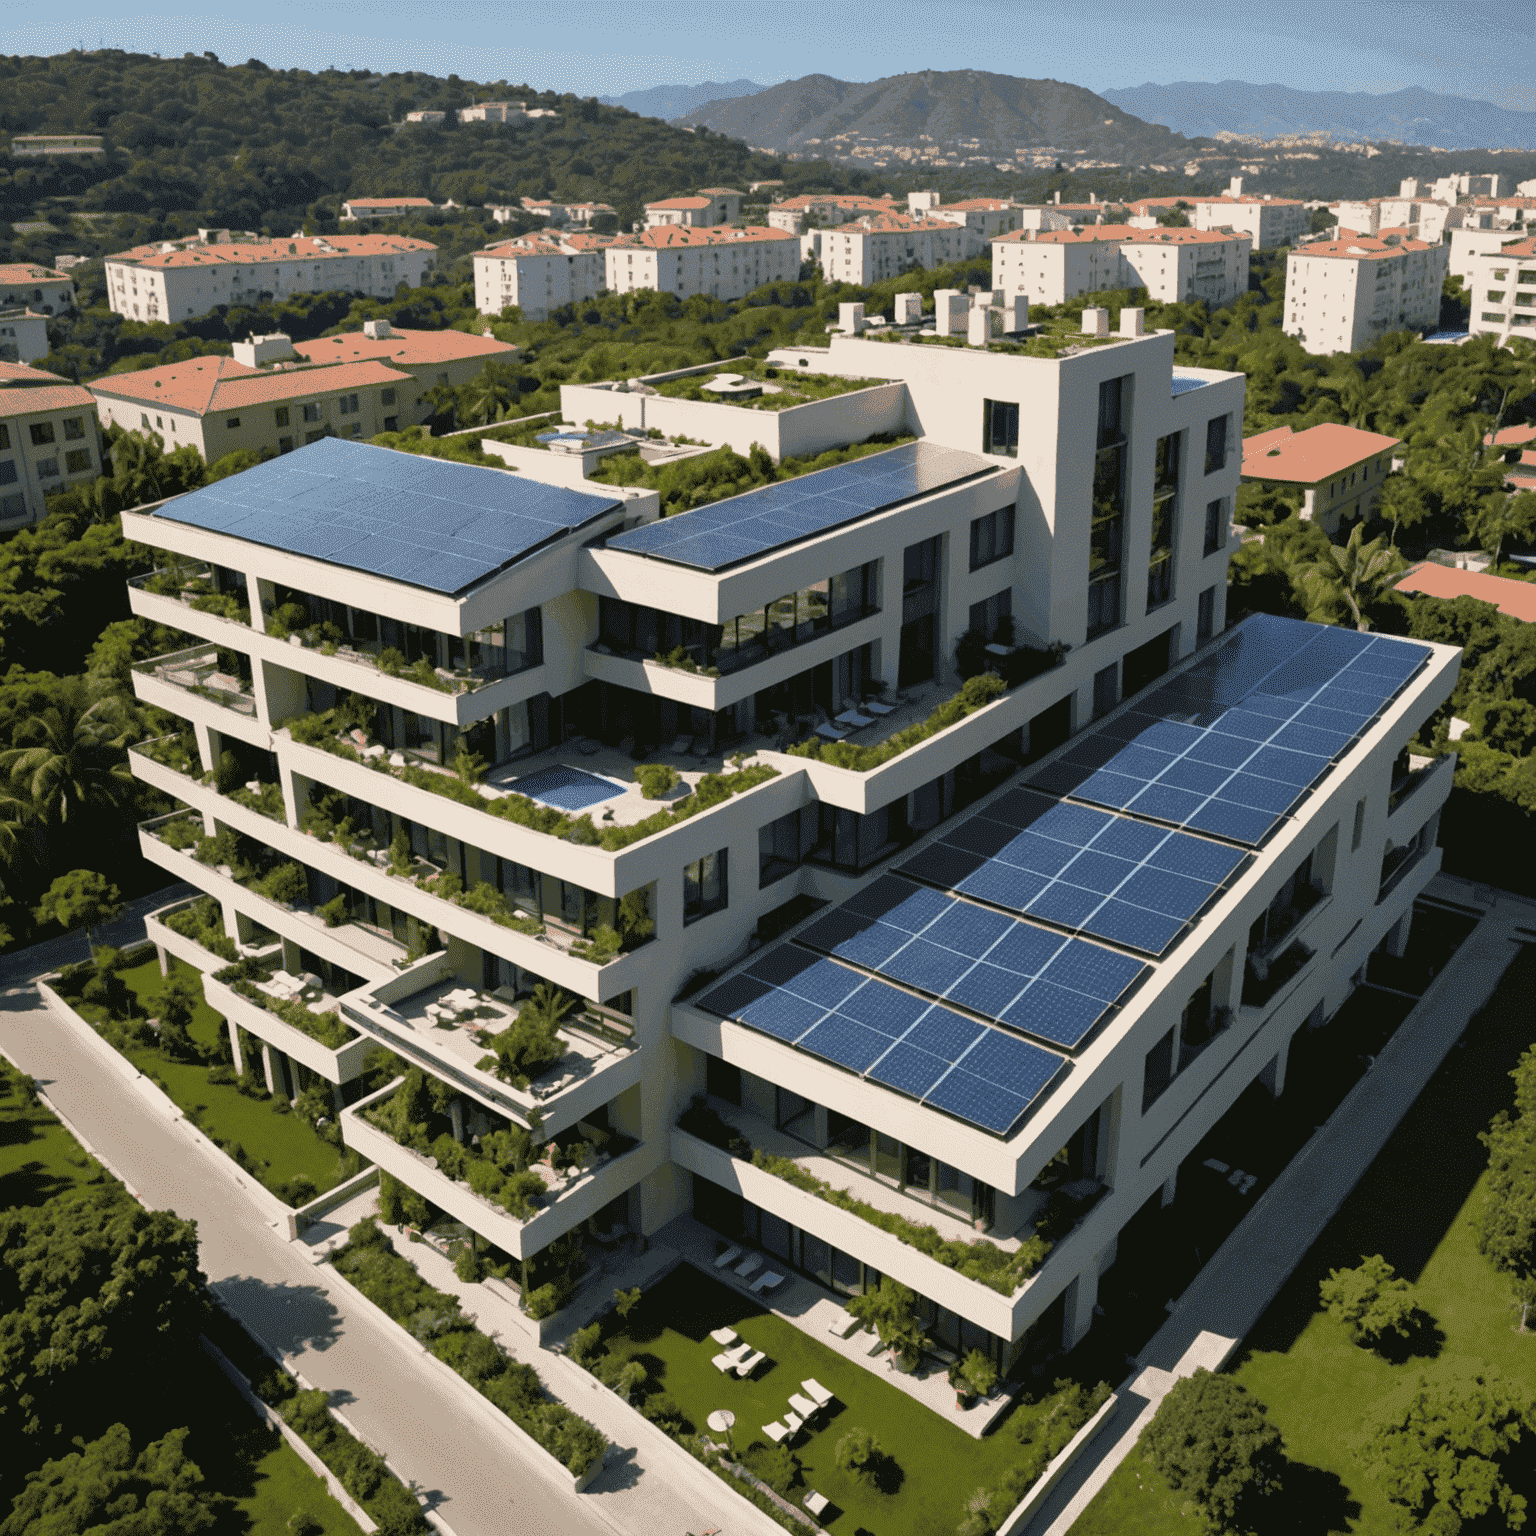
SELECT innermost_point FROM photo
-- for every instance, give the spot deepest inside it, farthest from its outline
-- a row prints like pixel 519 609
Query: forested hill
pixel 252 147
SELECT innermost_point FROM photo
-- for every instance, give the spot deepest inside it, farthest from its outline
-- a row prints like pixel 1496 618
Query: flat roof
pixel 744 527
pixel 1516 599
pixel 429 523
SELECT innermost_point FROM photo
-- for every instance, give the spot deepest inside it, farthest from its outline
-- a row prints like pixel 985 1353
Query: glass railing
pixel 196 670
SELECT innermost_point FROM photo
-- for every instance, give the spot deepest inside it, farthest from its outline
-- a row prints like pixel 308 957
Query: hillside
pixel 670 101
pixel 1411 116
pixel 967 114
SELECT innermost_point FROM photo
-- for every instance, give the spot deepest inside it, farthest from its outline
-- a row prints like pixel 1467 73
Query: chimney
pixel 1095 322
pixel 1235 187
pixel 377 330
pixel 909 309
pixel 1132 322
pixel 850 319
pixel 1015 312
pixel 1058 195
pixel 950 308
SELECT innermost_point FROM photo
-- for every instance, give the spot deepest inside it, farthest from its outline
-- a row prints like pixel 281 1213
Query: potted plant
pixel 892 1312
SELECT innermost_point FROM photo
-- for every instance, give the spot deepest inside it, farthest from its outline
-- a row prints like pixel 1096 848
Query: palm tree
pixel 1355 578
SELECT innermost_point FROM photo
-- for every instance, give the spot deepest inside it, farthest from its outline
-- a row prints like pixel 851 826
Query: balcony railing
pixel 1397 864
pixel 1419 772
pixel 196 670
pixel 1264 978
pixel 193 588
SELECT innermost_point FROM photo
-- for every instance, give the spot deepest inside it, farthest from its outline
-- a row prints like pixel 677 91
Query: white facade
pixel 1172 265
pixel 26 286
pixel 362 208
pixel 1345 295
pixel 49 439
pixel 1468 244
pixel 873 249
pixel 1503 292
pixel 1268 221
pixel 1129 604
pixel 23 336
pixel 719 263
pixel 538 274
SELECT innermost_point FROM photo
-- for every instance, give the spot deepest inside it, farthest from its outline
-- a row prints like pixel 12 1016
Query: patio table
pixel 721 1421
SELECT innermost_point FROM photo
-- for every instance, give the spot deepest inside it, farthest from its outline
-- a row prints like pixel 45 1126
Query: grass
pixel 38 1157
pixel 279 1145
pixel 1416 1205
pixel 939 1464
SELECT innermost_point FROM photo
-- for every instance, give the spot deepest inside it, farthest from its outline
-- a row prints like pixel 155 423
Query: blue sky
pixel 605 47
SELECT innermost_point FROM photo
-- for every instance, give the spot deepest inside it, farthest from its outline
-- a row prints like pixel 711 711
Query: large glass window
pixel 704 886
pixel 991 537
pixel 782 844
pixel 1216 444
pixel 1205 617
pixel 1165 517
pixel 1157 1072
pixel 1000 427
pixel 1107 532
pixel 1215 524
pixel 988 615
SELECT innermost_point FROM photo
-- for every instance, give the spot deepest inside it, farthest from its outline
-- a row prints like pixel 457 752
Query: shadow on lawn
pixel 1310 1499
pixel 31 1184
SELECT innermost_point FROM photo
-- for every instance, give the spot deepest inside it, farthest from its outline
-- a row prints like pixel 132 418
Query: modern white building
pixel 796 215
pixel 1502 285
pixel 720 262
pixel 25 285
pixel 358 209
pixel 1173 265
pixel 175 280
pixel 49 440
pixel 1000 983
pixel 1345 295
pixel 1468 243
pixel 875 247
pixel 708 207
pixel 539 272
pixel 1268 221
pixel 23 335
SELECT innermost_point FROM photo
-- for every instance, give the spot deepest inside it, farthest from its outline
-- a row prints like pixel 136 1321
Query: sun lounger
pixel 843 1323
pixel 804 1406
pixel 815 1502
pixel 831 732
pixel 776 1432
pixel 767 1281
pixel 738 1352
pixel 854 720
pixel 730 1256
pixel 749 1266
pixel 723 1364
pixel 749 1363
pixel 724 1336
pixel 876 708
pixel 814 1388
pixel 793 1423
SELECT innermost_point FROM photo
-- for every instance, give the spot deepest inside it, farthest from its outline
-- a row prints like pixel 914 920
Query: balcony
pixel 1269 974
pixel 1406 800
pixel 161 593
pixel 336 1064
pixel 190 683
pixel 423 1016
pixel 1398 863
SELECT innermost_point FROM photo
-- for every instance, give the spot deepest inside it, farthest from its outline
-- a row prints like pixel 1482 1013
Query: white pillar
pixel 164 959
pixel 269 1066
pixel 1398 934
pixel 1081 1296
pixel 1273 1076
pixel 234 1045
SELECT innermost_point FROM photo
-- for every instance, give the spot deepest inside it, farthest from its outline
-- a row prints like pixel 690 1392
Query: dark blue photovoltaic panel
pixel 744 527
pixel 429 523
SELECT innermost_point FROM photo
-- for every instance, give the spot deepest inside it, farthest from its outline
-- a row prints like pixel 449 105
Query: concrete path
pixel 1229 1295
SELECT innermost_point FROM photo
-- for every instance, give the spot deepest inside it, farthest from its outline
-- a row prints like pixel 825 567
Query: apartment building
pixel 49 439
pixel 218 405
pixel 428 119
pixel 178 279
pixel 795 215
pixel 709 207
pixel 1173 265
pixel 24 285
pixel 1268 221
pixel 1502 285
pixel 450 358
pixel 1345 295
pixel 357 209
pixel 874 247
pixel 57 144
pixel 985 217
pixel 1006 979
pixel 540 272
pixel 503 112
pixel 722 263
pixel 1469 242
pixel 1419 218
pixel 1338 469
pixel 23 335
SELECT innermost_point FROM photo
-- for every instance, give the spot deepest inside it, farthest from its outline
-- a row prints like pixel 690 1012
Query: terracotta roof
pixel 1504 437
pixel 1119 234
pixel 247 252
pixel 407 349
pixel 1517 599
pixel 808 200
pixel 43 397
pixel 547 243
pixel 25 272
pixel 976 205
pixel 1361 248
pixel 1250 199
pixel 1309 457
pixel 1519 248
pixel 22 376
pixel 896 223
pixel 680 202
pixel 388 202
pixel 719 192
pixel 207 384
pixel 671 235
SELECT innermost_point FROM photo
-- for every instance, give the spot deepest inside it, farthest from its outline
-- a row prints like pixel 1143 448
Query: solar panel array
pixel 744 527
pixel 427 522
pixel 864 1025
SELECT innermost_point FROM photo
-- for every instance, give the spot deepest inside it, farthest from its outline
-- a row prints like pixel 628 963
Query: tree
pixel 1506 1225
pixel 104 1489
pixel 1212 1440
pixel 1505 517
pixel 1442 1459
pixel 1354 578
pixel 625 1302
pixel 84 898
pixel 178 1002
pixel 1371 1300
pixel 859 1454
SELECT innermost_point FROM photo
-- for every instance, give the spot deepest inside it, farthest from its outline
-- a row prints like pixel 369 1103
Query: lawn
pixel 1416 1206
pixel 940 1466
pixel 278 1144
pixel 38 1157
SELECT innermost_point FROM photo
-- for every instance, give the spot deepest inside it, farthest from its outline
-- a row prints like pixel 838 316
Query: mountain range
pixel 1412 116
pixel 972 112
pixel 669 101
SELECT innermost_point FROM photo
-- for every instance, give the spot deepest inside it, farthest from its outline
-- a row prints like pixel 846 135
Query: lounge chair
pixel 724 1364
pixel 776 1432
pixel 730 1256
pixel 804 1406
pixel 813 1388
pixel 815 1502
pixel 738 1352
pixel 749 1363
pixel 767 1281
pixel 749 1266
pixel 843 1323
pixel 793 1423
pixel 724 1336
pixel 831 732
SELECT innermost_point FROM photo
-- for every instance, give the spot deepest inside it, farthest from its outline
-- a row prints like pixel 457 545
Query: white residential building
pixel 49 440
pixel 985 217
pixel 175 280
pixel 875 247
pixel 23 335
pixel 1502 285
pixel 539 272
pixel 24 285
pixel 1173 265
pixel 1338 469
pixel 711 206
pixel 997 1011
pixel 1468 243
pixel 428 118
pixel 1269 221
pixel 1345 295
pixel 359 209
pixel 796 215
pixel 722 263
pixel 503 112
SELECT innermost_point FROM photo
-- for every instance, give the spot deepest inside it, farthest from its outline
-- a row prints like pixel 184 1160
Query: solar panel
pixel 744 527
pixel 430 523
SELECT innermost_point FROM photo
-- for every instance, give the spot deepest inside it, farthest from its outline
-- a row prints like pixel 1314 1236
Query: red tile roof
pixel 680 203
pixel 388 202
pixel 44 397
pixel 247 252
pixel 26 272
pixel 22 376
pixel 671 235
pixel 1119 234
pixel 207 384
pixel 1519 248
pixel 1250 198
pixel 406 349
pixel 1362 248
pixel 1517 599
pixel 1312 456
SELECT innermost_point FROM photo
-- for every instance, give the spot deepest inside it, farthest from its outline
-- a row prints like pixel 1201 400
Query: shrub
pixel 586 1346
pixel 1371 1300
pixel 976 693
pixel 334 911
pixel 655 779
pixel 776 1465
pixel 285 884
pixel 858 1453
pixel 227 774
pixel 542 1303
pixel 665 1414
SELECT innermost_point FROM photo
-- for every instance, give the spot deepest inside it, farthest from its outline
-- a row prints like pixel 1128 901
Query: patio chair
pixel 776 1432
pixel 730 1256
pixel 738 1352
pixel 793 1423
pixel 724 1364
pixel 767 1281
pixel 814 1389
pixel 724 1336
pixel 832 732
pixel 815 1502
pixel 749 1266
pixel 749 1363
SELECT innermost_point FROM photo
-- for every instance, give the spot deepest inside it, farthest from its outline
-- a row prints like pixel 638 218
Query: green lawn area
pixel 940 1465
pixel 279 1145
pixel 38 1157
pixel 1416 1206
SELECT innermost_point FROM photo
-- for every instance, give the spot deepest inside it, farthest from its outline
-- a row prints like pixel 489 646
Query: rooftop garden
pixel 322 1024
pixel 789 386
pixel 1049 338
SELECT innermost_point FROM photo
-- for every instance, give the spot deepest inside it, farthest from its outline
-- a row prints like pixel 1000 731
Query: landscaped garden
pixel 1420 1206
pixel 191 1060
pixel 922 1472
pixel 38 1157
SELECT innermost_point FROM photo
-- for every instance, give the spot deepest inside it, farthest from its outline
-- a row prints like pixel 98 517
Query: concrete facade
pixel 1502 284
pixel 49 439
pixel 1345 295
pixel 1173 265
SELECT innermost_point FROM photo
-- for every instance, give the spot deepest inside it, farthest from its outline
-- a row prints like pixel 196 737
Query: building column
pixel 1170 1189
pixel 269 1067
pixel 164 959
pixel 234 1046
pixel 456 1114
pixel 1398 934
pixel 1273 1076
pixel 1081 1296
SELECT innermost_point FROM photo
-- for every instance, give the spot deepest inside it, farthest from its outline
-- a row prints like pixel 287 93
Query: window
pixel 314 437
pixel 1000 427
pixel 987 615
pixel 347 404
pixel 391 423
pixel 1165 503
pixel 1215 525
pixel 77 461
pixel 143 418
pixel 7 472
pixel 1106 689
pixel 74 429
pixel 1359 836
pixel 231 422
pixel 1205 616
pixel 1107 533
pixel 42 433
pixel 387 397
pixel 310 412
pixel 1157 1072
pixel 783 844
pixel 285 445
pixel 704 886
pixel 1215 444
pixel 280 416
pixel 992 537
pixel 48 469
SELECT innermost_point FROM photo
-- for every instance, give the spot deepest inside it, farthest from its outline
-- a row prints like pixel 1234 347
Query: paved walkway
pixel 1229 1295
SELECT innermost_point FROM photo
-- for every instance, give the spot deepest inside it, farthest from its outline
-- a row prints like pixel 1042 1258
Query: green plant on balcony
pixel 225 604
pixel 446 884
pixel 334 911
pixel 634 921
pixel 891 1310
pixel 203 923
pixel 285 620
pixel 603 946
pixel 402 858
pixel 286 884
pixel 222 849
pixel 531 1044
pixel 267 801
pixel 975 693
pixel 655 779
pixel 186 832
pixel 468 766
